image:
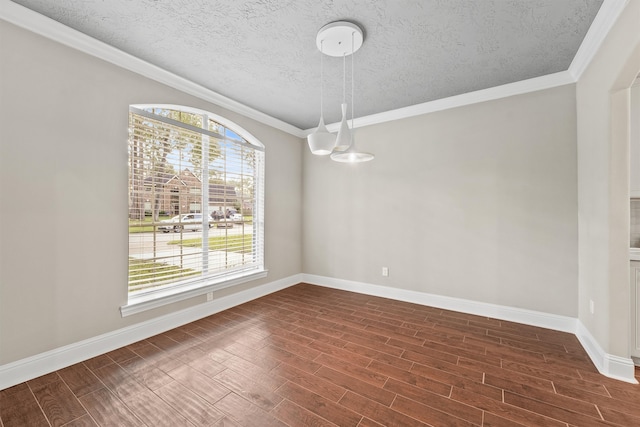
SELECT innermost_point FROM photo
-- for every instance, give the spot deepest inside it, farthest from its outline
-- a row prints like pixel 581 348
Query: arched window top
pixel 193 116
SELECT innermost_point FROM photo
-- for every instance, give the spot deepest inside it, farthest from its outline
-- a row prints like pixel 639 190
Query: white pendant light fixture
pixel 321 142
pixel 337 39
pixel 350 154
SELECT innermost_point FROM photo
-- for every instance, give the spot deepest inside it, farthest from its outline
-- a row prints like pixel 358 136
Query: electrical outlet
pixel 209 296
pixel 592 306
pixel 385 271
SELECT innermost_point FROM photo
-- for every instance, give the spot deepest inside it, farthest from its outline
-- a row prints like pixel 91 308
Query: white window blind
pixel 196 203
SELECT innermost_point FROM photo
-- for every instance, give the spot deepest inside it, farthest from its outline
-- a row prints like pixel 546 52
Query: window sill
pixel 138 304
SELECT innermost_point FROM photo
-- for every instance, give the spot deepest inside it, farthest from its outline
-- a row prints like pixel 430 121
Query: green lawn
pixel 233 243
pixel 137 226
pixel 141 268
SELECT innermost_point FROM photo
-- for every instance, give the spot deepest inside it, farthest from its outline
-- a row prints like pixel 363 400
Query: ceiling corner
pixel 602 24
pixel 53 30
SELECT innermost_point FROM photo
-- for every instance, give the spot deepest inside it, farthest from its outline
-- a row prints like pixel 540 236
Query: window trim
pixel 189 289
pixel 149 301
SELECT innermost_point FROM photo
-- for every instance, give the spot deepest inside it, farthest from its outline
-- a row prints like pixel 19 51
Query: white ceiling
pixel 262 53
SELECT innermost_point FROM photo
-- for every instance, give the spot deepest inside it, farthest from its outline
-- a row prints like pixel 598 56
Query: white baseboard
pixel 44 363
pixel 518 315
pixel 616 367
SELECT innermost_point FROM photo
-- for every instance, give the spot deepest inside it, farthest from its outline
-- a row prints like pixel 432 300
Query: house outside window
pixel 196 204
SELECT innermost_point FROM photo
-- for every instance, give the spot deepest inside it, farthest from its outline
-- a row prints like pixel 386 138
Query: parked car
pixel 224 223
pixel 224 220
pixel 177 223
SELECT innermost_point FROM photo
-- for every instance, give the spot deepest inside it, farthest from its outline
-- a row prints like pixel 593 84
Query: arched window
pixel 196 203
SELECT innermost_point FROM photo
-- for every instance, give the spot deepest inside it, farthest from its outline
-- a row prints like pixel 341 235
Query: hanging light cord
pixel 321 77
pixel 352 83
pixel 344 78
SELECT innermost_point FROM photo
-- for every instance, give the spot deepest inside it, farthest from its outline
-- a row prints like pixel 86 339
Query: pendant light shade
pixel 344 134
pixel 351 154
pixel 321 142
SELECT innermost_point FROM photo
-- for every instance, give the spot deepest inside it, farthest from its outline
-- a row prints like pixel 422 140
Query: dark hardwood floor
pixel 311 356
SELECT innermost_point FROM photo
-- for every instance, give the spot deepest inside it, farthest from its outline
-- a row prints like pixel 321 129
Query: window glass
pixel 195 201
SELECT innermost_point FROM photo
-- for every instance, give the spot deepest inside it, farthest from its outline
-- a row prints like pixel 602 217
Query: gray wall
pixel 477 202
pixel 603 182
pixel 63 193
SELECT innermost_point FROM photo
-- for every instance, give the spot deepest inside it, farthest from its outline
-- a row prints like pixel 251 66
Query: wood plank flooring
pixel 311 356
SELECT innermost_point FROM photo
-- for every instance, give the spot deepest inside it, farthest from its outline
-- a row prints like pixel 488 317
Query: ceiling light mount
pixel 334 39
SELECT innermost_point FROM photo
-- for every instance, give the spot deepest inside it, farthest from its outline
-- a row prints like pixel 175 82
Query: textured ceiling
pixel 262 53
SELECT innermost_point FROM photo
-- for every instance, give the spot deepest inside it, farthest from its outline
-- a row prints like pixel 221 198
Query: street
pixel 155 246
pixel 141 244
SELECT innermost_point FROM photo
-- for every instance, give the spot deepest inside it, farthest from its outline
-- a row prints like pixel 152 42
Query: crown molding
pixel 46 27
pixel 600 27
pixel 497 92
pixel 39 24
